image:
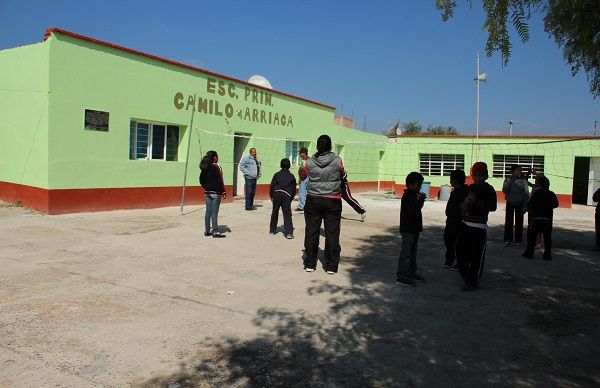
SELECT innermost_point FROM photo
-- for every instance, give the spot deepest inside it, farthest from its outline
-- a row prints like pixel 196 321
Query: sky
pixel 378 61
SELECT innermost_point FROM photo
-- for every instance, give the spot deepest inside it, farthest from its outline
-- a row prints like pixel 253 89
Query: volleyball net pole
pixel 187 159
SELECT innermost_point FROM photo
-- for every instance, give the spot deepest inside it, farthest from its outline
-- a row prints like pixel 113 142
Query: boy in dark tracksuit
pixel 472 238
pixel 453 215
pixel 596 198
pixel 282 191
pixel 411 224
pixel 541 207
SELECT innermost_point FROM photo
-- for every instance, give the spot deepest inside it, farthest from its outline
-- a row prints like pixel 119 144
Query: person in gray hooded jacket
pixel 516 189
pixel 323 204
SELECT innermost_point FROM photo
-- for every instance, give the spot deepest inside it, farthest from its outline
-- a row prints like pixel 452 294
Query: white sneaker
pixel 506 243
pixel 309 269
pixel 330 273
pixel 363 216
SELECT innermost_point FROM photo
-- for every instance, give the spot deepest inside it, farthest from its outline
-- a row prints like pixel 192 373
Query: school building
pixel 88 125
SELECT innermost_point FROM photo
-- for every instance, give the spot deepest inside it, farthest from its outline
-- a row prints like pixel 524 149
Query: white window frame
pixel 149 147
pixel 290 146
pixel 502 163
pixel 440 164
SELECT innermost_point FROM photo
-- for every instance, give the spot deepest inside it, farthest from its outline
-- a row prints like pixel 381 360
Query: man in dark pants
pixel 541 207
pixel 323 204
pixel 454 217
pixel 250 167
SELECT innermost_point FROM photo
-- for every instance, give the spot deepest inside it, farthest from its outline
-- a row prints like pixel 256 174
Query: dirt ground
pixel 141 298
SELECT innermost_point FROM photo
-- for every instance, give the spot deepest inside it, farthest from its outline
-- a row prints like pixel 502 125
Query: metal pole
pixel 187 157
pixel 595 122
pixel 510 123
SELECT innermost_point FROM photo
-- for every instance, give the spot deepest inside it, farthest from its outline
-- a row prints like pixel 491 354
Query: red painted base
pixel 88 200
pixel 63 201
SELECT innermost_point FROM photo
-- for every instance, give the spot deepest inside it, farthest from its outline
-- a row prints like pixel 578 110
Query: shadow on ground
pixel 532 324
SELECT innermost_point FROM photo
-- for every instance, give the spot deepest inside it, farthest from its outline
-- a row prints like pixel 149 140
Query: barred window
pixel 153 141
pixel 440 164
pixel 292 148
pixel 528 163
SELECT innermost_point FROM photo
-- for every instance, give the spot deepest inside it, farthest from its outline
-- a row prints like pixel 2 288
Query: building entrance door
pixel 240 142
pixel 581 176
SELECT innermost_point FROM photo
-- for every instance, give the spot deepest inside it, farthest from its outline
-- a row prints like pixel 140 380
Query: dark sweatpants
pixel 347 196
pixel 598 229
pixel 513 214
pixel 283 201
pixel 329 211
pixel 450 237
pixel 545 227
pixel 470 253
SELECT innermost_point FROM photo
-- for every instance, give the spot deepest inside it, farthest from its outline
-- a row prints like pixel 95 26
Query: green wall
pixel 559 156
pixel 24 100
pixel 85 75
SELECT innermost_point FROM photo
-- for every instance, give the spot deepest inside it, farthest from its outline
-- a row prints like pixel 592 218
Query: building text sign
pixel 262 98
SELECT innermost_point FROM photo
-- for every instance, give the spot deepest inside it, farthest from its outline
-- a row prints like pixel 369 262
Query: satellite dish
pixel 260 81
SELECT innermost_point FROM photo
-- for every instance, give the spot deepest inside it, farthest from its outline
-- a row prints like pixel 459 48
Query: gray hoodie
pixel 516 191
pixel 325 175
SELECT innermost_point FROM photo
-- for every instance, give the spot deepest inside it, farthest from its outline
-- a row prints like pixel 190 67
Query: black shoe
pixel 546 257
pixel 527 255
pixel 299 210
pixel 406 282
pixel 218 235
pixel 416 278
pixel 469 287
pixel 208 234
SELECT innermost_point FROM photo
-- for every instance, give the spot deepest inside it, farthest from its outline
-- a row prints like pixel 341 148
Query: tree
pixel 574 24
pixel 412 128
pixel 439 130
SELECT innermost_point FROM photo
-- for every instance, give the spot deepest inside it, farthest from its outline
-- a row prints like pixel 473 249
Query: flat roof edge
pixel 54 30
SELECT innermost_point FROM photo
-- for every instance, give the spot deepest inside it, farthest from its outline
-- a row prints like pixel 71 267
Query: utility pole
pixel 595 122
pixel 510 123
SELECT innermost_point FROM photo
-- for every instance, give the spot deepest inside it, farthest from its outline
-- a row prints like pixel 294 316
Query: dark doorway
pixel 581 176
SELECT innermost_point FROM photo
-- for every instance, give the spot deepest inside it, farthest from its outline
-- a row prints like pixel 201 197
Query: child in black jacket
pixel 454 216
pixel 472 237
pixel 282 191
pixel 411 224
pixel 541 207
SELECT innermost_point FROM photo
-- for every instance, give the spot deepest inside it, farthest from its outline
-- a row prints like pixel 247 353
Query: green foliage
pixel 574 24
pixel 412 128
pixel 439 130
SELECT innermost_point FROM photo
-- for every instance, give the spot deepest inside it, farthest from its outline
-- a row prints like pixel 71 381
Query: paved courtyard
pixel 142 298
